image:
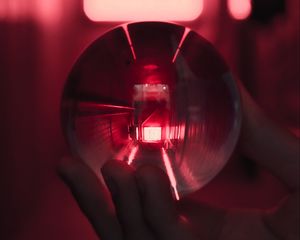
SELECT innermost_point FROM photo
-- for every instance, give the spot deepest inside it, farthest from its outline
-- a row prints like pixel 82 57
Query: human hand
pixel 138 204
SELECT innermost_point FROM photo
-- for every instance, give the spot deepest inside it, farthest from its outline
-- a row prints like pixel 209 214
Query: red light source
pixel 146 10
pixel 239 9
pixel 152 134
pixel 151 113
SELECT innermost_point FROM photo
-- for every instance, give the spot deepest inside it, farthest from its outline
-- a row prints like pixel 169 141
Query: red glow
pixel 150 67
pixel 132 154
pixel 239 9
pixel 49 11
pixel 137 133
pixel 146 10
pixel 45 11
pixel 170 172
pixel 14 9
pixel 186 32
pixel 2 10
pixel 129 41
pixel 144 92
pixel 152 134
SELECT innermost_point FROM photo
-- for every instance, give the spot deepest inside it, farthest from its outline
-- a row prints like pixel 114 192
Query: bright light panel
pixel 142 10
pixel 152 134
pixel 239 9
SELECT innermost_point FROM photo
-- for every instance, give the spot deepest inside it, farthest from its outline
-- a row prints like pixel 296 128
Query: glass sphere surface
pixel 153 93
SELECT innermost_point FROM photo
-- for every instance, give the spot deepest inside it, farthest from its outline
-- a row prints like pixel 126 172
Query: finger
pixel 271 146
pixel 92 197
pixel 158 203
pixel 204 220
pixel 119 177
pixel 283 221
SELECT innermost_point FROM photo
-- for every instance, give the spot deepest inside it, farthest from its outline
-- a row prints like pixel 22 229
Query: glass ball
pixel 153 93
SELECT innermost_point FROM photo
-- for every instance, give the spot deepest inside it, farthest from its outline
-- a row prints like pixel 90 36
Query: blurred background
pixel 39 42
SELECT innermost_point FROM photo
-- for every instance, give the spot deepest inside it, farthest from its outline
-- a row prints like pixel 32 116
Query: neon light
pixel 132 154
pixel 152 134
pixel 186 32
pixel 170 172
pixel 145 10
pixel 239 9
pixel 129 41
pixel 137 133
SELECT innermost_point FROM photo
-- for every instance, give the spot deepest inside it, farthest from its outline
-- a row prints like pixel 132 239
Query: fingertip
pixel 74 172
pixel 113 165
pixel 117 170
pixel 118 176
pixel 158 202
pixel 120 179
pixel 91 196
pixel 152 178
pixel 152 175
pixel 66 167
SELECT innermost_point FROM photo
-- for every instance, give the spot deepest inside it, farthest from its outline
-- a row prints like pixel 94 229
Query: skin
pixel 138 204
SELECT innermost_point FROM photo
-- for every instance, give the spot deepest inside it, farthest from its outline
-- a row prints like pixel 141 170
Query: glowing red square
pixel 152 134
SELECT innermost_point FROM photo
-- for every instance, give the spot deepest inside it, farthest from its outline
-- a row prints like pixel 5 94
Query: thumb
pixel 158 204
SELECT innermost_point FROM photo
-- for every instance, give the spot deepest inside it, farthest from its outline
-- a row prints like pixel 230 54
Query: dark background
pixel 39 43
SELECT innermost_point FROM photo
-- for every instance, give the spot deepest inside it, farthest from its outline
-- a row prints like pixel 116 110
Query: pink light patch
pixel 49 11
pixel 239 9
pixel 186 32
pixel 129 41
pixel 152 134
pixel 137 133
pixel 142 10
pixel 132 154
pixel 170 172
